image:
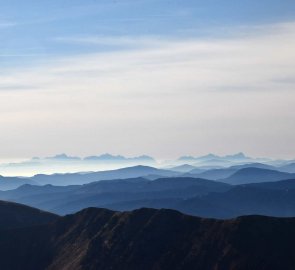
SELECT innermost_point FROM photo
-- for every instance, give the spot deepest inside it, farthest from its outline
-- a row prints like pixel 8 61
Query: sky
pixel 157 77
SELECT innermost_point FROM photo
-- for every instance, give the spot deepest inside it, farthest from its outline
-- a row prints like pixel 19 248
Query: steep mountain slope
pixel 13 215
pixel 149 239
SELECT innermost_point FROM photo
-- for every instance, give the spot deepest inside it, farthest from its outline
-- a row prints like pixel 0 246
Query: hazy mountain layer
pixel 70 199
pixel 239 174
pixel 193 196
pixel 63 163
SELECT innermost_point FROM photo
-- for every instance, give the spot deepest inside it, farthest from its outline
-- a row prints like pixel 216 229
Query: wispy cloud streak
pixel 7 24
pixel 163 95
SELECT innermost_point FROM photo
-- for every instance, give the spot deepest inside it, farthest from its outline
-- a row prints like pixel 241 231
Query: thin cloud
pixel 250 61
pixel 11 87
pixel 4 25
pixel 159 97
pixel 285 80
pixel 22 55
pixel 119 41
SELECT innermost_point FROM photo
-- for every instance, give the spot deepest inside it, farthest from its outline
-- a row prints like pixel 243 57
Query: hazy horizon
pixel 63 163
pixel 164 78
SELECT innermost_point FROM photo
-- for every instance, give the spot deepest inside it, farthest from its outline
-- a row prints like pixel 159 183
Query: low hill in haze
pixel 8 183
pixel 256 175
pixel 69 199
pixel 193 196
pixel 79 178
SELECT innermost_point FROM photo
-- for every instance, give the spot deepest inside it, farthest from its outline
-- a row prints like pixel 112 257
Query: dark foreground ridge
pixel 148 239
pixel 14 215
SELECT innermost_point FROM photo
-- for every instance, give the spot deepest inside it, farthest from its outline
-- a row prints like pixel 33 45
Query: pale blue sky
pixel 30 30
pixel 164 78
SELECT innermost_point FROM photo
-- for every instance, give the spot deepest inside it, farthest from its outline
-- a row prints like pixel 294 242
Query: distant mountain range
pixel 103 158
pixel 145 239
pixel 241 189
pixel 83 178
pixel 290 168
pixel 195 196
pixel 238 156
pixel 256 175
pixel 152 173
pixel 239 174
pixel 69 199
pixel 7 183
pixel 185 168
pixel 63 163
pixel 262 172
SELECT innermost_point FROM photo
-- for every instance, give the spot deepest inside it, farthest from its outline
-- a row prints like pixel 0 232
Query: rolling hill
pixel 70 199
pixel 8 183
pixel 290 168
pixel 79 178
pixel 221 173
pixel 199 197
